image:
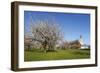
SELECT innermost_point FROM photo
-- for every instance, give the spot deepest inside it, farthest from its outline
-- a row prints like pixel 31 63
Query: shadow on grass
pixel 51 50
pixel 33 50
pixel 39 50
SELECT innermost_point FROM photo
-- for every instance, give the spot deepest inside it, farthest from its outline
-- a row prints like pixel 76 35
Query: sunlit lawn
pixel 37 55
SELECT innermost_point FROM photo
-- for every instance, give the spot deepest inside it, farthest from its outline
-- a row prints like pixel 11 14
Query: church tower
pixel 81 40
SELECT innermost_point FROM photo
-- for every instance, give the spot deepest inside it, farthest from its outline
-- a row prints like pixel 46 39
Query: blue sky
pixel 73 24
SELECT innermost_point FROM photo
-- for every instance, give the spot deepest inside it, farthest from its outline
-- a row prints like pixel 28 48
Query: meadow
pixel 37 55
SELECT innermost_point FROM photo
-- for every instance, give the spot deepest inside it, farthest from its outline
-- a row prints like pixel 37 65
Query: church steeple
pixel 81 40
pixel 80 36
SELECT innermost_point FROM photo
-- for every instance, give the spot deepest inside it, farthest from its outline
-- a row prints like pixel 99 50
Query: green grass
pixel 37 55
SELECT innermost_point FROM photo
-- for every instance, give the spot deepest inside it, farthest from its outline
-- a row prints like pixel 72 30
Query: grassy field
pixel 37 55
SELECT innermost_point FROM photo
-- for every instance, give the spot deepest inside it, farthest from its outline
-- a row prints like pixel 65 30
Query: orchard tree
pixel 47 33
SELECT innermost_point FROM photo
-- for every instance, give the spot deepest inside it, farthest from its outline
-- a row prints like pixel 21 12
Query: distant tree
pixel 75 44
pixel 65 45
pixel 27 43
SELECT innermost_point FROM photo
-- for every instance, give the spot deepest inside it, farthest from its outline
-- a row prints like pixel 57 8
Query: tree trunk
pixel 45 46
pixel 28 47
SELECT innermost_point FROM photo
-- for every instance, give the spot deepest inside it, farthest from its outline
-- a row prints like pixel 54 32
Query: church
pixel 76 44
pixel 83 46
